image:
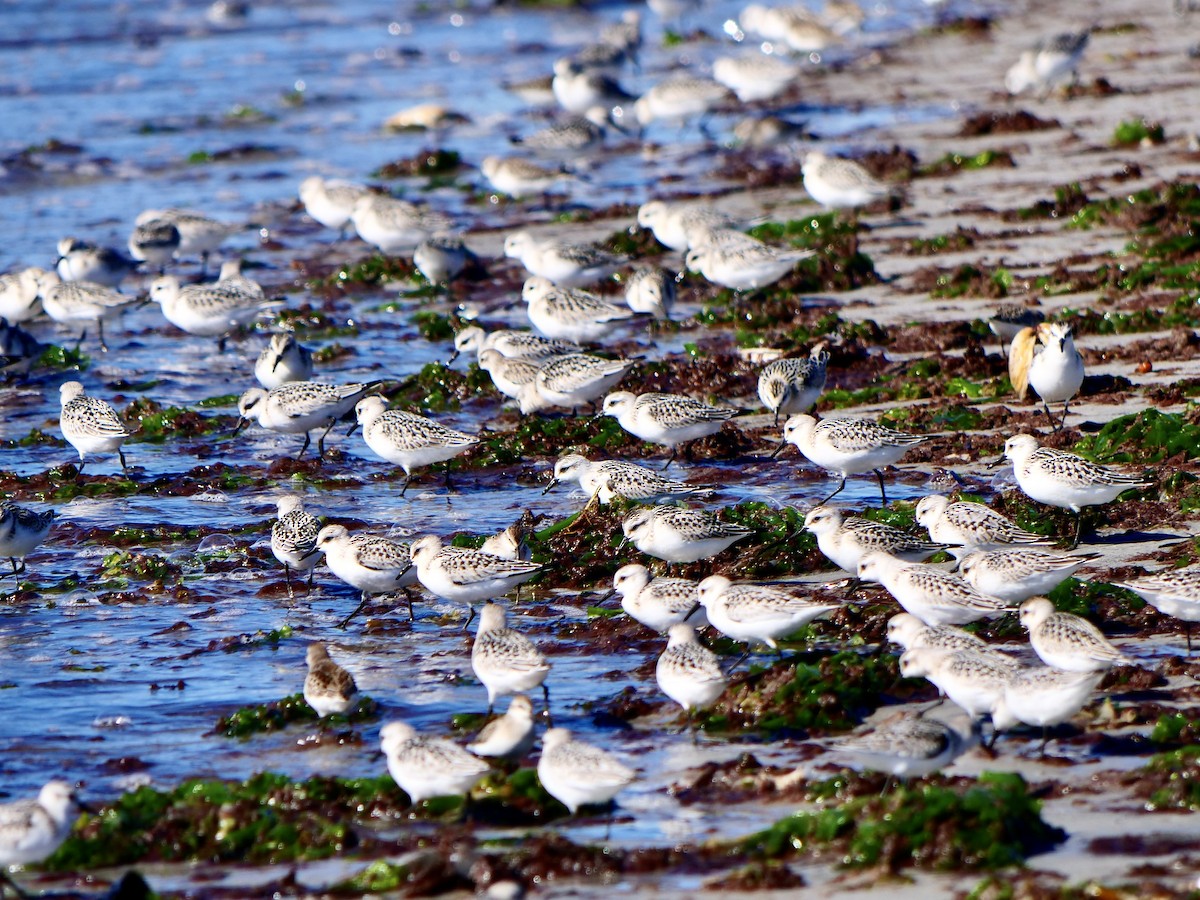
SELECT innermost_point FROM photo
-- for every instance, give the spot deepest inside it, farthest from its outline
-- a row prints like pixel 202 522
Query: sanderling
pixel 1055 372
pixel 907 746
pixel 764 132
pixel 207 310
pixel 1067 641
pixel 667 419
pixel 394 225
pixel 90 425
pixel 1008 320
pixel 299 407
pixel 505 660
pixel 523 345
pixel 971 525
pixel 1047 63
pixel 970 678
pixel 578 89
pixel 602 57
pixel 742 265
pixel 625 33
pixel 154 242
pixel 571 314
pixel 331 201
pixel 294 538
pixel 510 736
pixel 838 183
pixel 755 613
pixel 755 77
pixel 793 385
pixel 563 263
pixel 520 177
pixel 577 379
pixel 199 235
pixel 368 562
pixel 849 446
pixel 578 774
pixel 680 535
pixel 909 632
pixel 1062 479
pixel 19 349
pixel 933 596
pixel 681 225
pixel 797 28
pixel 328 688
pixel 81 302
pixel 462 575
pixel 426 767
pixel 1043 696
pixel 283 360
pixel 80 260
pixel 1173 592
pixel 847 539
pixel 689 672
pixel 574 135
pixel 508 375
pixel 680 98
pixel 650 290
pixel 21 532
pixel 1015 575
pixel 509 543
pixel 20 294
pixel 441 257
pixel 408 440
pixel 30 830
pixel 658 603
pixel 611 478
pixel 231 278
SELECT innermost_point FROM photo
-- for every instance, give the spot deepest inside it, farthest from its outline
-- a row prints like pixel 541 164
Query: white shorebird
pixel 328 688
pixel 743 263
pixel 80 260
pixel 1047 63
pixel 609 478
pixel 657 603
pixel 90 425
pixel 408 440
pixel 21 532
pixel 571 314
pixel 299 407
pixel 680 98
pixel 972 526
pixel 576 379
pixel 755 76
pixel 520 178
pixel 578 88
pixel 688 672
pixel 1055 371
pixel 845 540
pixel 330 201
pixel 909 632
pixel 207 310
pixel 396 226
pixel 849 446
pixel 199 235
pixel 681 225
pixel 1062 479
pixel 1067 641
pixel 81 303
pixel 680 535
pixel 426 767
pixel 754 613
pixel 294 538
pixel 933 596
pixel 510 736
pixel 650 289
pixel 570 136
pixel 838 183
pixel 667 419
pixel 441 257
pixel 1010 318
pixel 509 543
pixel 154 242
pixel 462 575
pixel 511 344
pixel 368 562
pixel 563 263
pixel 31 830
pixel 578 774
pixel 283 360
pixel 1173 592
pixel 20 298
pixel 793 385
pixel 1016 575
pixel 508 375
pixel 972 679
pixel 505 660
pixel 1043 696
pixel 907 746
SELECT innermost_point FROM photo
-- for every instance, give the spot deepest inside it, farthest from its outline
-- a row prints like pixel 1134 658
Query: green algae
pixel 1134 132
pixel 952 162
pixel 1174 780
pixel 438 388
pixel 1176 729
pixel 958 240
pixel 121 567
pixel 158 423
pixel 435 326
pixel 219 402
pixel 1146 437
pixel 279 714
pixel 992 823
pixel 542 437
pixel 63 359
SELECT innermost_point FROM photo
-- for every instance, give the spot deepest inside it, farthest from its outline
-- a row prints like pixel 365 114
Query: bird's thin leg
pixel 882 492
pixel 121 456
pixel 470 618
pixel 307 441
pixel 1045 741
pixel 321 440
pixel 287 572
pixel 670 459
pixel 366 598
pixel 737 662
pixel 841 485
pixel 79 343
pixel 546 696
pixel 407 479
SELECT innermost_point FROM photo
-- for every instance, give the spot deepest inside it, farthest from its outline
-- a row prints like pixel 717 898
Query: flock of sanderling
pixel 1001 568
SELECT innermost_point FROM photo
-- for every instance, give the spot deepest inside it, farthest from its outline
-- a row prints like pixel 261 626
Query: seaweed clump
pixel 279 714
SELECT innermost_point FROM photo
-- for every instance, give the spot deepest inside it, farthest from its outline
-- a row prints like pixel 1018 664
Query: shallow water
pixel 117 694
